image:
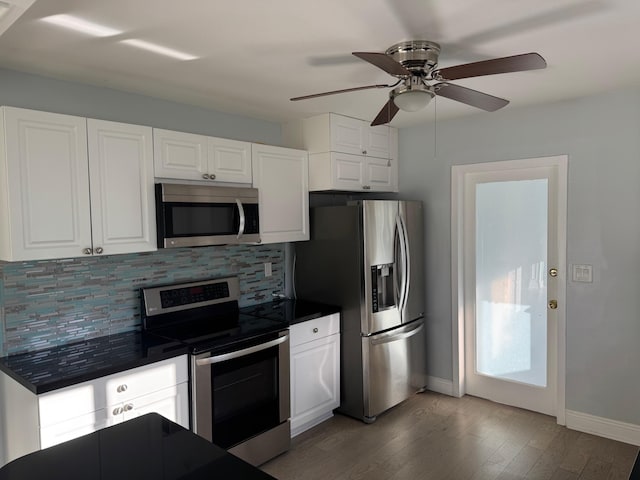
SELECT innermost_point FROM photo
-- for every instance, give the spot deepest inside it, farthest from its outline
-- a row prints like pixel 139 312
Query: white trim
pixel 440 385
pixel 458 173
pixel 603 427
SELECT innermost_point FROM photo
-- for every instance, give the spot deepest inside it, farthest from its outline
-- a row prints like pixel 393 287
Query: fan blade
pixel 386 114
pixel 515 63
pixel 470 97
pixel 333 92
pixel 385 62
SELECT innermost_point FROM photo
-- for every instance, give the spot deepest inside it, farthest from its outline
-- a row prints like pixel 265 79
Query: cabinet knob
pixel 99 250
pixel 122 388
pixel 366 187
pixel 117 411
pixel 364 152
pixel 87 251
pixel 205 176
pixel 128 407
pixel 212 176
pixel 315 330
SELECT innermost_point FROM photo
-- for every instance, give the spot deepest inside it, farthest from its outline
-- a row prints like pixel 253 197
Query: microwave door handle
pixel 242 218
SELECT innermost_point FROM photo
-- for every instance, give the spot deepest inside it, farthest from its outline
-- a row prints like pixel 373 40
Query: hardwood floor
pixel 433 436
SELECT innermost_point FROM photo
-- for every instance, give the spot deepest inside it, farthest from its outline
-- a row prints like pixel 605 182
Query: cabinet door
pixel 379 174
pixel 74 428
pixel 47 206
pixel 377 141
pixel 347 171
pixel 347 134
pixel 230 160
pixel 179 155
pixel 172 403
pixel 281 176
pixel 122 192
pixel 315 381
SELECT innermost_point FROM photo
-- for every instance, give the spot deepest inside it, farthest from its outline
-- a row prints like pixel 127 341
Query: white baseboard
pixel 603 427
pixel 440 385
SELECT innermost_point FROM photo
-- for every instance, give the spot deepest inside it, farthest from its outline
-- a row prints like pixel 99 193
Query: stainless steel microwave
pixel 201 215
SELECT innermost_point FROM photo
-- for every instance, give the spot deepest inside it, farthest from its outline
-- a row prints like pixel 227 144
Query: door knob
pixel 553 304
pixel 553 272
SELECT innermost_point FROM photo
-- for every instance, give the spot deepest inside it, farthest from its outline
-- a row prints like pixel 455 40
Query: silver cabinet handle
pixel 128 407
pixel 205 176
pixel 122 388
pixel 241 353
pixel 117 411
pixel 315 330
pixel 99 250
pixel 212 176
pixel 242 219
pixel 87 251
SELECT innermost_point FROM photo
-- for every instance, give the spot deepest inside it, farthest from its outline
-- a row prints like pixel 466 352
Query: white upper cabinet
pixel 48 167
pixel 122 191
pixel 281 177
pixel 187 156
pixel 346 153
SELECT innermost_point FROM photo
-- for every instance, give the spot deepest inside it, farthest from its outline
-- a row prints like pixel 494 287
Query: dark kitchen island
pixel 149 447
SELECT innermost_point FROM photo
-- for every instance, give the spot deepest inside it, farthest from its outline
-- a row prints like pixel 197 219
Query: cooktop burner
pixel 202 315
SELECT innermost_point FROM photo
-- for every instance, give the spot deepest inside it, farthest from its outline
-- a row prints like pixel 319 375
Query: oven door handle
pixel 240 353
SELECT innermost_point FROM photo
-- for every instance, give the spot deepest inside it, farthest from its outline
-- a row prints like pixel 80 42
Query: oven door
pixel 243 392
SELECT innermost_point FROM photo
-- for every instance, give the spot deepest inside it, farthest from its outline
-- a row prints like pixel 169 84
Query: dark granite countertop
pixel 291 311
pixel 58 367
pixel 149 447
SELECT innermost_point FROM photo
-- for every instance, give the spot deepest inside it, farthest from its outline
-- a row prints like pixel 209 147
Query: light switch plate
pixel 582 273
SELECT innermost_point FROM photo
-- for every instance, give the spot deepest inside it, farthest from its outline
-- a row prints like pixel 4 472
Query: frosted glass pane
pixel 511 280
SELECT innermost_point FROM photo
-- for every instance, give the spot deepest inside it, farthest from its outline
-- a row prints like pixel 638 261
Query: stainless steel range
pixel 239 365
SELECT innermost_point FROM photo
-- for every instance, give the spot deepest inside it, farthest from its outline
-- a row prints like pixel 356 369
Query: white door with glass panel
pixel 511 279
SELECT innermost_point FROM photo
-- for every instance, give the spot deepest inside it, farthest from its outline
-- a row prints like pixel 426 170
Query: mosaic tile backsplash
pixel 52 302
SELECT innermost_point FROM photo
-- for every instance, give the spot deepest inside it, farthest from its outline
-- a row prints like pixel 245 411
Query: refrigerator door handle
pixel 404 255
pixel 396 243
pixel 392 336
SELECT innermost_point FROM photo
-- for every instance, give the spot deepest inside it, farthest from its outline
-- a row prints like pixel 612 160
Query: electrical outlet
pixel 267 269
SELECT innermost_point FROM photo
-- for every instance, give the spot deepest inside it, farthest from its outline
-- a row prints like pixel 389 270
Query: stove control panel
pixel 178 297
pixel 188 295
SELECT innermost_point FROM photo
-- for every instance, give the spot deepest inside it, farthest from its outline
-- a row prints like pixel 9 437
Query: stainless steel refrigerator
pixel 368 258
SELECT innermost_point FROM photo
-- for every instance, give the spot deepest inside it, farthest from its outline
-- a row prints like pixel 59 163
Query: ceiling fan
pixel 415 64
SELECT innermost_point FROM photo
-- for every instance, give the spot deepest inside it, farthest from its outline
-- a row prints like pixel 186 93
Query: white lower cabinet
pixel 315 371
pixel 31 422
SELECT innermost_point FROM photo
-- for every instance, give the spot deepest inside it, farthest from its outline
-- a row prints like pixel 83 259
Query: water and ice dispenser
pixel 382 287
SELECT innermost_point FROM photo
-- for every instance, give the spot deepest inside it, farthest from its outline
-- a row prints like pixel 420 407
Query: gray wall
pixel 601 136
pixel 39 93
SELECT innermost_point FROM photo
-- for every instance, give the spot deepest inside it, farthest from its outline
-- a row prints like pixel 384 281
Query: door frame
pixel 458 173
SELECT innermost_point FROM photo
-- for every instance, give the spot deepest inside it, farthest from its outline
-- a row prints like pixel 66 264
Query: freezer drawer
pixel 396 367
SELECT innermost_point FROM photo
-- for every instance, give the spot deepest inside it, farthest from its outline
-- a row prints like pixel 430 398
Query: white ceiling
pixel 256 54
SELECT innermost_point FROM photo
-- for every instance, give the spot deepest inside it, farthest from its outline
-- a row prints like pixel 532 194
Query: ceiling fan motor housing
pixel 419 56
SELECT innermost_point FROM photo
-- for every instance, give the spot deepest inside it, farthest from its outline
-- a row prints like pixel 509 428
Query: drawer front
pixel 71 402
pixel 73 428
pixel 314 329
pixel 144 380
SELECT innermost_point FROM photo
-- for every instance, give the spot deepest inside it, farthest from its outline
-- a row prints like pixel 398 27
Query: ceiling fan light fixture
pixel 414 95
pixel 412 101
